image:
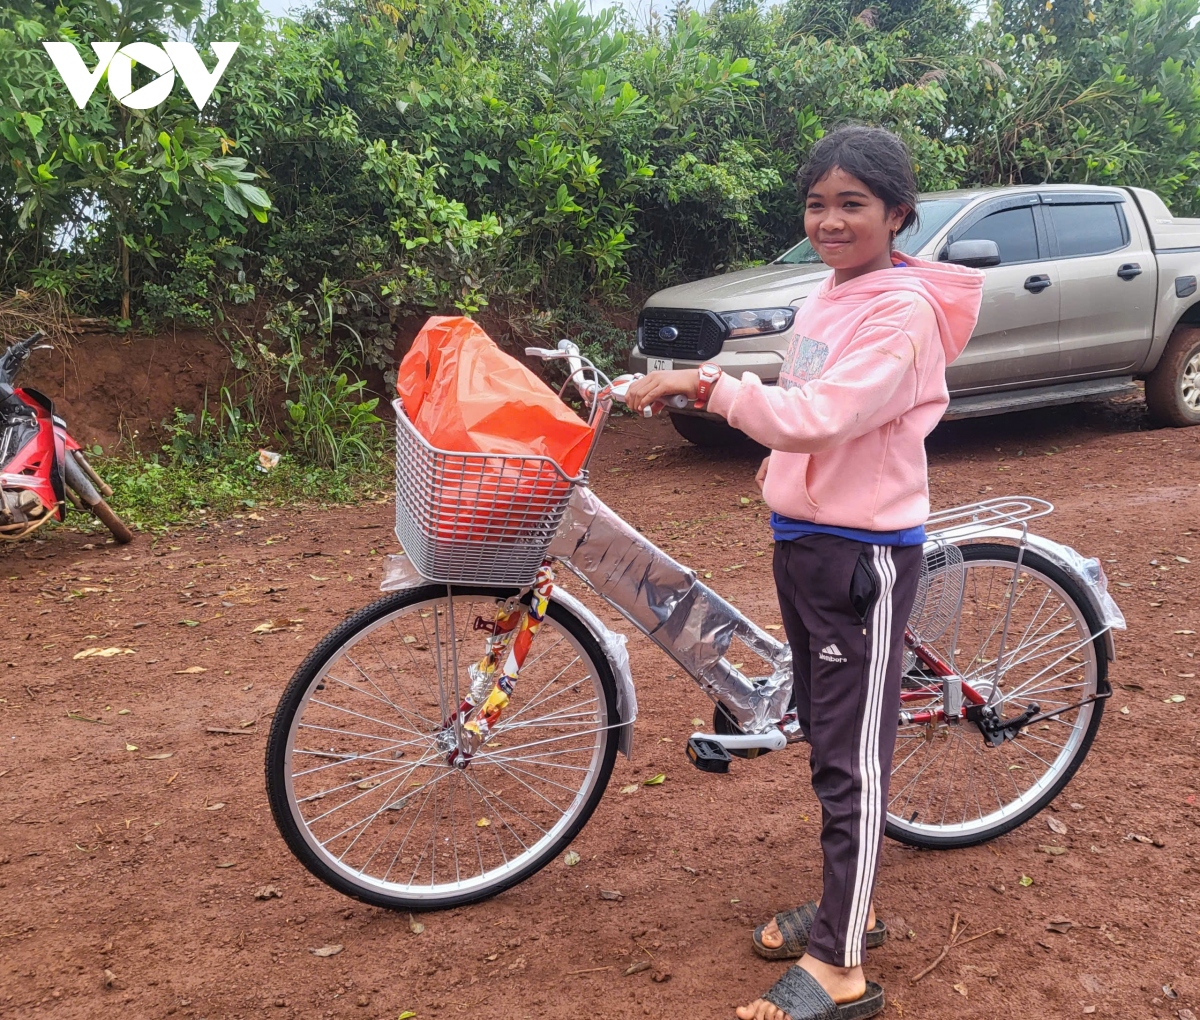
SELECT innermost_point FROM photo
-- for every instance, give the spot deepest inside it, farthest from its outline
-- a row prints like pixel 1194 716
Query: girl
pixel 863 384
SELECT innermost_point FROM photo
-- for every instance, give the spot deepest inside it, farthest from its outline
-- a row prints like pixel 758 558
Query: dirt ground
pixel 133 837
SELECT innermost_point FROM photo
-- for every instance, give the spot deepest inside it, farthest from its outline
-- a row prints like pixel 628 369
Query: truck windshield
pixel 933 214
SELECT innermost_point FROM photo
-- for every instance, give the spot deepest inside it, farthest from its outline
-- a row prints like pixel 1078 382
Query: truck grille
pixel 700 334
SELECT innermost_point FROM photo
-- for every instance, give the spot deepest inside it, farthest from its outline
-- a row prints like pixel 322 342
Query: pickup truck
pixel 1088 289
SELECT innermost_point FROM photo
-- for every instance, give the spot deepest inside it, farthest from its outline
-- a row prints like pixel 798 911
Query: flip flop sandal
pixel 801 997
pixel 794 926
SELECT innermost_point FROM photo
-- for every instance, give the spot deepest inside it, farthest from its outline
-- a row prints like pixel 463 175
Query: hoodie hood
pixel 954 293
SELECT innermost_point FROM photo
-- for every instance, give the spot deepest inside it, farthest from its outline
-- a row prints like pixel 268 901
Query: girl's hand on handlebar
pixel 653 387
pixel 760 479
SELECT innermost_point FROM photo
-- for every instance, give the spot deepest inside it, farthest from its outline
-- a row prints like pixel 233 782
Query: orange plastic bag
pixel 463 393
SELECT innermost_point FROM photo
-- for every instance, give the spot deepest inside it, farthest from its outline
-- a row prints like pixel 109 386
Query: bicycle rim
pixel 947 787
pixel 375 808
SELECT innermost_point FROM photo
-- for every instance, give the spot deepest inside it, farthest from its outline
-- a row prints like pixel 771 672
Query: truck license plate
pixel 659 364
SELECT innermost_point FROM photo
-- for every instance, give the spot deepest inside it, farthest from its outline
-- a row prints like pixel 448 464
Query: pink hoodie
pixel 863 384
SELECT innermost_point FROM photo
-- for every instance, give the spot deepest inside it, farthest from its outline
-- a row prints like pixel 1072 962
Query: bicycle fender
pixel 618 659
pixel 1087 571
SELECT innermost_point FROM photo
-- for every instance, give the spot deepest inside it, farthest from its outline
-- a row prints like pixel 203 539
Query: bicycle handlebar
pixel 590 387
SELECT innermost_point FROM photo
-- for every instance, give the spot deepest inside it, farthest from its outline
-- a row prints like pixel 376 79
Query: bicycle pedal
pixel 707 755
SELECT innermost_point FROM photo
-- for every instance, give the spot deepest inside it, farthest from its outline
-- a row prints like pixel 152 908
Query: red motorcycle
pixel 41 466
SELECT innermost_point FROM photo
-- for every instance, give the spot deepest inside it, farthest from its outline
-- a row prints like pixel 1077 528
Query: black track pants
pixel 845 605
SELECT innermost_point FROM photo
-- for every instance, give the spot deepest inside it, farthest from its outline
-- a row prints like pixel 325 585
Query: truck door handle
pixel 1037 284
pixel 1129 271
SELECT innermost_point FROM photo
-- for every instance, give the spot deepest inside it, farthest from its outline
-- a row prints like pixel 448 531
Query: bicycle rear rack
pixel 971 519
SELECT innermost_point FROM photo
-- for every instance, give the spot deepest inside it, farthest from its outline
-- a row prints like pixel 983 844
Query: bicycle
pixel 450 739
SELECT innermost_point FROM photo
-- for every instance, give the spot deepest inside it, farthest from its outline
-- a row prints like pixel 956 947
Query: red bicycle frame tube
pixel 940 668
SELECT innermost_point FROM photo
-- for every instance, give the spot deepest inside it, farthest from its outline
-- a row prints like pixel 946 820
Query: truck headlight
pixel 755 321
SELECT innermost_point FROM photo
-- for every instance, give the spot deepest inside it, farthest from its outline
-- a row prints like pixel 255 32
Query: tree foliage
pixel 409 155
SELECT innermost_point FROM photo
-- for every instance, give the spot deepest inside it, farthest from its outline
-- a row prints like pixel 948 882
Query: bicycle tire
pixel 1064 770
pixel 283 805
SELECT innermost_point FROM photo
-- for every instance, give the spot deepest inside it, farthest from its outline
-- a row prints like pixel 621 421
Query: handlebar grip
pixel 540 352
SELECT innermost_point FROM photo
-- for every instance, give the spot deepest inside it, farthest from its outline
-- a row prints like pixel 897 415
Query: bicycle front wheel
pixel 358 771
pixel 948 787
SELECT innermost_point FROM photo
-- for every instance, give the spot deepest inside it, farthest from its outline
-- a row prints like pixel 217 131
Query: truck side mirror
pixel 977 254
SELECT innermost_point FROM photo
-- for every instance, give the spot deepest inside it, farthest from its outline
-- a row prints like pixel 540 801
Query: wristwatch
pixel 709 374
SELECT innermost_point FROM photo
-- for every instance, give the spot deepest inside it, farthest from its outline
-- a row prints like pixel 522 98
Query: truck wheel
pixel 707 432
pixel 1173 388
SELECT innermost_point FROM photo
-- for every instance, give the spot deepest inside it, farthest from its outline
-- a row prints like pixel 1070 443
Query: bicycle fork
pixel 510 636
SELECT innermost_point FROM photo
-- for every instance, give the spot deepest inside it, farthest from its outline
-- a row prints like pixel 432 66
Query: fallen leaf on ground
pixel 697 722
pixel 1185 632
pixel 1135 837
pixel 109 978
pixel 369 784
pixel 1056 825
pixel 1060 925
pixel 638 967
pixel 189 623
pixel 131 747
pixel 79 716
pixel 268 892
pixel 191 669
pixel 1175 699
pixel 273 626
pixel 327 950
pixel 655 780
pixel 1026 881
pixel 570 858
pixel 408 1014
pixel 610 894
pixel 1053 851
pixel 102 653
pixel 125 711
pixel 660 976
pixel 630 788
pixel 774 626
pixel 415 926
pixel 316 578
pixel 483 823
pixel 215 807
pixel 743 501
pixel 961 989
pixel 1089 1009
pixel 227 864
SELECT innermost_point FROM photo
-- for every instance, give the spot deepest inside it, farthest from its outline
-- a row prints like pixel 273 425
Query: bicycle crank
pixel 710 752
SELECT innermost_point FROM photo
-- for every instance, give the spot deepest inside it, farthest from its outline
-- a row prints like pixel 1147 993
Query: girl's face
pixel 850 227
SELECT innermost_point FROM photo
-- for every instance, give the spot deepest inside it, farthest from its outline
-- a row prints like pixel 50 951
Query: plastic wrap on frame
pixel 1086 570
pixel 400 573
pixel 664 600
pixel 618 658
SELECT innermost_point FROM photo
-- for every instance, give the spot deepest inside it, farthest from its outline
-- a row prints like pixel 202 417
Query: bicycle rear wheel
pixel 357 771
pixel 948 787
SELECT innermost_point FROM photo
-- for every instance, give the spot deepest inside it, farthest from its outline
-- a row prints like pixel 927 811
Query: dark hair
pixel 876 157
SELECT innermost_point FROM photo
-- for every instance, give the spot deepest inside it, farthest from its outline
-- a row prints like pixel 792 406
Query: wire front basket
pixel 475 518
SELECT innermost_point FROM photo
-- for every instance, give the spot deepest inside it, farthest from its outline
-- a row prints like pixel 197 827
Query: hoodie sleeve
pixel 874 381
